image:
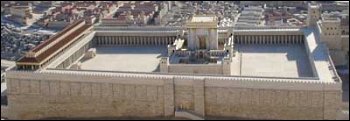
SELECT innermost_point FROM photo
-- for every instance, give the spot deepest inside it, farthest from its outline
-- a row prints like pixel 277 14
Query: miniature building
pixel 202 54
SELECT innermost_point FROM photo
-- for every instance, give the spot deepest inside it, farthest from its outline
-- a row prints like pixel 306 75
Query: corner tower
pixel 313 14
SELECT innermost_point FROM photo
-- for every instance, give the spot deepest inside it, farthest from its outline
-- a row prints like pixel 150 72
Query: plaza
pixel 124 58
pixel 273 61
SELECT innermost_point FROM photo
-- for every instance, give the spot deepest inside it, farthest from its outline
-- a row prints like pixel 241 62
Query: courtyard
pixel 126 58
pixel 272 61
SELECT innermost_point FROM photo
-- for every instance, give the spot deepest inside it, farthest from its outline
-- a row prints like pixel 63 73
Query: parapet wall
pixel 57 93
pixel 196 68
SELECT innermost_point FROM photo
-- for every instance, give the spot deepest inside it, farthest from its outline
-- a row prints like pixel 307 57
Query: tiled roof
pixel 42 56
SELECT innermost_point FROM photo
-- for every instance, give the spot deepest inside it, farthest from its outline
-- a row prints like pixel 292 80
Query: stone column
pixel 138 39
pixel 106 40
pixel 110 40
pixel 129 40
pixel 138 42
pixel 297 38
pixel 199 100
pixel 168 40
pixel 113 40
pixel 275 39
pixel 135 41
pixel 98 40
pixel 169 97
pixel 119 40
pixel 132 42
pixel 123 40
pixel 116 40
pixel 290 39
pixel 243 39
pixel 150 40
pixel 102 40
pixel 146 40
pixel 301 37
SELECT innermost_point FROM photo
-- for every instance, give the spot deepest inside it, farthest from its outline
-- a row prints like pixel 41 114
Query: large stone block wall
pixel 35 99
pixel 264 103
pixel 3 111
pixel 42 95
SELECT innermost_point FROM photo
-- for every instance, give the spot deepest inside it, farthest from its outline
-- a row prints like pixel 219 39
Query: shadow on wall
pixel 304 69
pixel 157 69
pixel 4 100
pixel 132 50
pixel 345 79
pixel 320 53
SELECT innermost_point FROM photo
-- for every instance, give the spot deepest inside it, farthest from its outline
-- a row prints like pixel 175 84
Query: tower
pixel 313 14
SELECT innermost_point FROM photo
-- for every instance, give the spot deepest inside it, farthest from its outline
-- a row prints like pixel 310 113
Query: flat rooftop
pixel 135 59
pixel 203 19
pixel 272 61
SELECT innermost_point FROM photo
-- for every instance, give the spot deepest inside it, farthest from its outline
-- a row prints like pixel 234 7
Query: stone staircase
pixel 187 115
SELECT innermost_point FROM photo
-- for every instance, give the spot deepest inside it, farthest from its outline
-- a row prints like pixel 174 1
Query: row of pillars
pixel 134 40
pixel 269 39
pixel 74 57
pixel 27 67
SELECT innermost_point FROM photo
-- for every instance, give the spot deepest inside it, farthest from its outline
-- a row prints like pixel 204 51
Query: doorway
pixel 202 42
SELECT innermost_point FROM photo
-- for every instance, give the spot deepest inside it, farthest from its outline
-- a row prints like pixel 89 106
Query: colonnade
pixel 134 40
pixel 269 39
pixel 74 57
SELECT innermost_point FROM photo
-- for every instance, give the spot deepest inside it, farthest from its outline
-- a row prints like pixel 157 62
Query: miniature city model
pixel 201 70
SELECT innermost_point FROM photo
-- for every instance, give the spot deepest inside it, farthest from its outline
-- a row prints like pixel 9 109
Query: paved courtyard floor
pixel 136 59
pixel 272 61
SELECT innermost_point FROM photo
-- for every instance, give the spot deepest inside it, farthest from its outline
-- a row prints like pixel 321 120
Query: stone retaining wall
pixel 36 95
